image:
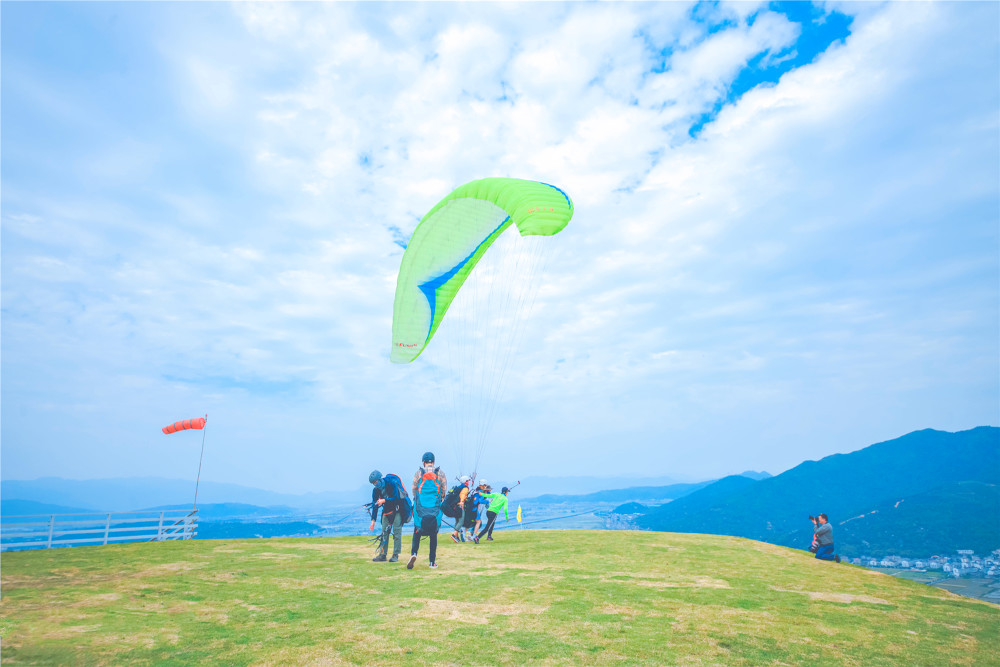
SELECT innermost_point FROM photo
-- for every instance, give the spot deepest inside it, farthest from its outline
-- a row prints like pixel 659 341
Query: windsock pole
pixel 202 458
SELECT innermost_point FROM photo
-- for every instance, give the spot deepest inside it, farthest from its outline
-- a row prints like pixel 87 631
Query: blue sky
pixel 785 242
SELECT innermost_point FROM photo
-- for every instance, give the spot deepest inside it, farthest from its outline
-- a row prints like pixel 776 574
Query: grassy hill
pixel 552 597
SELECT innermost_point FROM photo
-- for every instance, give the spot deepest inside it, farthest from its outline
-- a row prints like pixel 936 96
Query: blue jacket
pixel 393 492
pixel 477 499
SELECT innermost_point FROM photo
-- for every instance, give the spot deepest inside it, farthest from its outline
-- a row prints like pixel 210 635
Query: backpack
pixel 405 509
pixel 404 504
pixel 451 506
pixel 427 503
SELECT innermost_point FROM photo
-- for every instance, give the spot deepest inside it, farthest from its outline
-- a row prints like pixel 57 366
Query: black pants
pixel 491 518
pixel 430 529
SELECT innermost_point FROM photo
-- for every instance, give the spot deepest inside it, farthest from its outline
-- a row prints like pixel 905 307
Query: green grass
pixel 550 597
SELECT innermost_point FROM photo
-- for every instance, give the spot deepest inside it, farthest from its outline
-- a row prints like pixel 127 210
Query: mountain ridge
pixel 841 485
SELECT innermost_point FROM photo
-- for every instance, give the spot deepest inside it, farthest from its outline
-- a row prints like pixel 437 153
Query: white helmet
pixel 464 479
pixel 483 482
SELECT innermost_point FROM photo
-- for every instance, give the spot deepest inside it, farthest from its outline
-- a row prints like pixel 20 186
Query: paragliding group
pixel 463 231
pixel 474 511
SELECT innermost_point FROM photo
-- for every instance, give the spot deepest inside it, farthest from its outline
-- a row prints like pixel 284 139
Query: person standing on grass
pixel 498 501
pixel 823 538
pixel 389 494
pixel 479 505
pixel 463 493
pixel 429 487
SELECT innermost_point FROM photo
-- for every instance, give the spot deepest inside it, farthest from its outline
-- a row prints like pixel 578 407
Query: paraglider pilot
pixel 498 501
pixel 480 504
pixel 429 486
pixel 389 494
pixel 463 493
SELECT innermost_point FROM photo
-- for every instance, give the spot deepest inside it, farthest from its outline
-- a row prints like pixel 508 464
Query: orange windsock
pixel 184 424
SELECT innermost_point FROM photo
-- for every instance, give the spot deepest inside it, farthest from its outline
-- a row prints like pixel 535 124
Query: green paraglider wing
pixel 450 240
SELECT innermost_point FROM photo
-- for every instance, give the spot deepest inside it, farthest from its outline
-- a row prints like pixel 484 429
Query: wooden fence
pixel 45 531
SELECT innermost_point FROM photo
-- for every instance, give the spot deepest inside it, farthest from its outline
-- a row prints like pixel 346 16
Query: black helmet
pixel 504 490
pixel 428 457
pixel 374 477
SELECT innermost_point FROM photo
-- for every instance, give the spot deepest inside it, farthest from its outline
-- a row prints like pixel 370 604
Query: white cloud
pixel 792 259
pixel 212 85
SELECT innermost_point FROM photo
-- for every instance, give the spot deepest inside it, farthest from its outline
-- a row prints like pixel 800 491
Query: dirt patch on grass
pixel 14 581
pixel 96 600
pixel 200 610
pixel 146 607
pixel 965 644
pixel 617 610
pixel 478 568
pixel 166 570
pixel 68 632
pixel 472 612
pixel 130 640
pixel 464 573
pixel 521 566
pixel 651 582
pixel 271 555
pixel 325 547
pixel 315 656
pixel 774 550
pixel 845 598
pixel 317 584
pixel 231 578
pixel 697 617
pixel 227 550
pixel 354 643
pixel 828 596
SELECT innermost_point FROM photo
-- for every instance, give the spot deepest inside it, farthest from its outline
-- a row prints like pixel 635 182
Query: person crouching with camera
pixel 822 544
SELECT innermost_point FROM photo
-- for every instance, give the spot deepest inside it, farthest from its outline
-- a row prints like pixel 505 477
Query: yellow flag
pixel 519 514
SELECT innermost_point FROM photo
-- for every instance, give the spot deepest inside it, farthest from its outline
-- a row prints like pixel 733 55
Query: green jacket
pixel 498 501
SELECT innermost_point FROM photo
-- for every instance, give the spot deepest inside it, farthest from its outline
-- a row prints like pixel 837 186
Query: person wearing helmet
pixel 429 486
pixel 480 505
pixel 390 495
pixel 463 493
pixel 498 501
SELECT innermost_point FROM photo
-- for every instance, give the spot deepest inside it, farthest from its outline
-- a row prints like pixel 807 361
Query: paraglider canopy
pixel 452 238
pixel 477 256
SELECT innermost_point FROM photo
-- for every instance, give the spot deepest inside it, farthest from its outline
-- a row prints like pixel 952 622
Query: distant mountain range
pixel 123 495
pixel 128 494
pixel 16 506
pixel 924 493
pixel 534 486
pixel 635 494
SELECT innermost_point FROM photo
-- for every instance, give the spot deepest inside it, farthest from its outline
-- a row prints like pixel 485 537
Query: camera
pixel 812 518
